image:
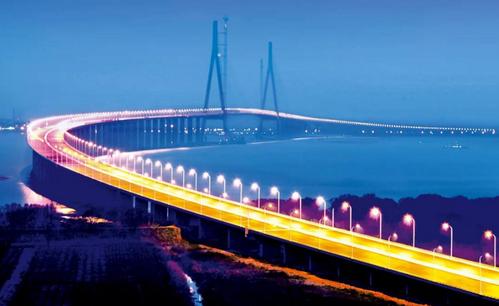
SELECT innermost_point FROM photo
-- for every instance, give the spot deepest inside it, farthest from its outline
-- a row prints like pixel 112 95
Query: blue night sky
pixel 423 61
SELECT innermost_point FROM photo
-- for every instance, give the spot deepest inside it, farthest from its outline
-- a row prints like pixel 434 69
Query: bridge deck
pixel 47 138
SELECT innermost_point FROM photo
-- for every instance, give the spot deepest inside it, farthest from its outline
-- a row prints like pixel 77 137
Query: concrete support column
pixel 228 239
pixel 134 202
pixel 181 130
pixel 199 132
pixel 190 129
pixel 310 263
pixel 260 250
pixel 200 229
pixel 283 253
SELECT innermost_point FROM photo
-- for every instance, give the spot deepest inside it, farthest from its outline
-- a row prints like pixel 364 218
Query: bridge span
pixel 67 143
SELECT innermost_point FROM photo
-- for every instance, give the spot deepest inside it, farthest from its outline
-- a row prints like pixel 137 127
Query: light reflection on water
pixel 197 299
pixel 392 167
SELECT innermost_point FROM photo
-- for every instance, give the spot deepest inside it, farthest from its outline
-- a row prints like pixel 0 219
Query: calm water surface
pixel 15 163
pixel 390 167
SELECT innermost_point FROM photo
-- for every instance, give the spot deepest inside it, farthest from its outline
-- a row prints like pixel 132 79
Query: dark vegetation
pixel 74 261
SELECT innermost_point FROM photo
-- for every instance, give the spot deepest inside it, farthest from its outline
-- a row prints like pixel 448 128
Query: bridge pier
pixel 283 254
pixel 228 238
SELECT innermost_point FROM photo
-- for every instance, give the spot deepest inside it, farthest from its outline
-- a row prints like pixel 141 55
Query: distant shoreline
pixel 3 178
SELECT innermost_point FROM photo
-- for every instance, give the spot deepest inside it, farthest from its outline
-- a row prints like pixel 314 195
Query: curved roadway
pixel 47 138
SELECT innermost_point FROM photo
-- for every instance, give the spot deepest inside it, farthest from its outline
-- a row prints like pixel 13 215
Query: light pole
pixel 141 160
pixel 194 173
pixel 149 162
pixel 489 235
pixel 181 170
pixel 356 227
pixel 295 196
pixel 391 238
pixel 160 165
pixel 168 166
pixel 117 153
pixel 486 257
pixel 256 187
pixel 128 159
pixel 447 227
pixel 221 180
pixel 344 207
pixel 409 220
pixel 320 201
pixel 375 213
pixel 275 191
pixel 239 184
pixel 438 249
pixel 113 157
pixel 207 176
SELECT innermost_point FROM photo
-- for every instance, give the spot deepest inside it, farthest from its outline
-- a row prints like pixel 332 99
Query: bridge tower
pixel 221 76
pixel 269 76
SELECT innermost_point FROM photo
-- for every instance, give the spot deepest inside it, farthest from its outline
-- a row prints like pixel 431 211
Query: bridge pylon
pixel 215 68
pixel 269 77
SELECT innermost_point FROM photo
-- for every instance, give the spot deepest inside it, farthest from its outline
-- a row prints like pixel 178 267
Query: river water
pixel 393 167
pixel 389 167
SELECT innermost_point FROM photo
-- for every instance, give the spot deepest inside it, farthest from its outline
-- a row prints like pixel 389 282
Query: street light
pixel 320 201
pixel 356 227
pixel 239 184
pixel 447 227
pixel 207 176
pixel 344 207
pixel 149 162
pixel 438 249
pixel 192 172
pixel 275 191
pixel 375 213
pixel 295 196
pixel 256 187
pixel 168 166
pixel 128 159
pixel 393 237
pixel 486 257
pixel 410 221
pixel 160 165
pixel 141 160
pixel 118 155
pixel 221 180
pixel 489 235
pixel 181 170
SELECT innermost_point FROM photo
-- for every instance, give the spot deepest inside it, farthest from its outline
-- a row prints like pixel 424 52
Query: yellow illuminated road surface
pixel 46 137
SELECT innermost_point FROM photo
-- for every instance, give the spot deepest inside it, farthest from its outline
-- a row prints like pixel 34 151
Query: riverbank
pixel 227 279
